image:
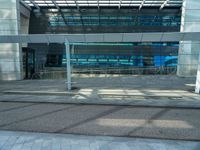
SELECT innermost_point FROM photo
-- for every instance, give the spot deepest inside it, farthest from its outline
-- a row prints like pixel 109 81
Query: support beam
pixel 163 5
pixel 141 4
pixel 35 4
pixel 197 90
pixel 76 4
pixel 98 4
pixel 106 37
pixel 68 65
pixel 60 11
pixel 25 5
pixel 120 2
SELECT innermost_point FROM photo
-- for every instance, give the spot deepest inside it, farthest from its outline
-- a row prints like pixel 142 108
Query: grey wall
pixel 10 54
pixel 189 51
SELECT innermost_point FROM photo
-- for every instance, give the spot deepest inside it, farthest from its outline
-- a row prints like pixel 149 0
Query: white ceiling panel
pixel 105 3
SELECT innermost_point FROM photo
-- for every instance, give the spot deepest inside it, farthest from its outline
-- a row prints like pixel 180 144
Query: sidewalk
pixel 41 141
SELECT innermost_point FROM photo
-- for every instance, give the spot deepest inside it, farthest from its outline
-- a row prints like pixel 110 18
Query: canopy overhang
pixel 105 37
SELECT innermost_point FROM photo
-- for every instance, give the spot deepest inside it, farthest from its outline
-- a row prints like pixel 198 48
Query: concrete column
pixel 197 90
pixel 24 22
pixel 10 54
pixel 67 47
pixel 189 51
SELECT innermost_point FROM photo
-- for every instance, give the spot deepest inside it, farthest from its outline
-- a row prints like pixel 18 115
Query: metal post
pixel 72 53
pixel 197 90
pixel 67 46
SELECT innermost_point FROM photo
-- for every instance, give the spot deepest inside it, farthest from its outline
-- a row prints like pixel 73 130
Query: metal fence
pixel 61 74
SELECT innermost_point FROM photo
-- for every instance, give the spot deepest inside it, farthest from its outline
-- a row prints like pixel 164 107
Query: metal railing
pixel 61 74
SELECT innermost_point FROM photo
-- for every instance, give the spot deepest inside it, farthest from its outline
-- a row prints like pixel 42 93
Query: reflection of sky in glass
pixel 173 21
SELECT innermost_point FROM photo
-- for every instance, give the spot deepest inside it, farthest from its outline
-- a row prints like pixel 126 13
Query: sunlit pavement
pixel 40 141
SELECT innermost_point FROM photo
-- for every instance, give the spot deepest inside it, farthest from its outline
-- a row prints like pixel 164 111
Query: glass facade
pixel 109 55
pixel 105 21
pixel 143 20
pixel 119 55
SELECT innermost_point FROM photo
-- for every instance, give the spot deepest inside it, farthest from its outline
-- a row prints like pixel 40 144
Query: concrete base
pixel 11 76
pixel 197 90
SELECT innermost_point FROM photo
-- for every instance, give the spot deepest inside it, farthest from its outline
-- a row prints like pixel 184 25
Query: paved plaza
pixel 117 112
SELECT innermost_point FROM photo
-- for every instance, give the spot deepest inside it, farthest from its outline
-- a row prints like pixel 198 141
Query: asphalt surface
pixel 126 121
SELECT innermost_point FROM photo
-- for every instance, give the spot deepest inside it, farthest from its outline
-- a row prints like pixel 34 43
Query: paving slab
pixel 42 141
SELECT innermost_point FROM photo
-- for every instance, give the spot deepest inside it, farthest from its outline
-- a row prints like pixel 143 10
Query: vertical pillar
pixel 67 46
pixel 72 53
pixel 197 90
pixel 10 54
pixel 24 21
pixel 189 50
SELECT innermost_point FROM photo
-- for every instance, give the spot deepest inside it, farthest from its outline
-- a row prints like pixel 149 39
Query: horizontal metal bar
pixel 104 37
